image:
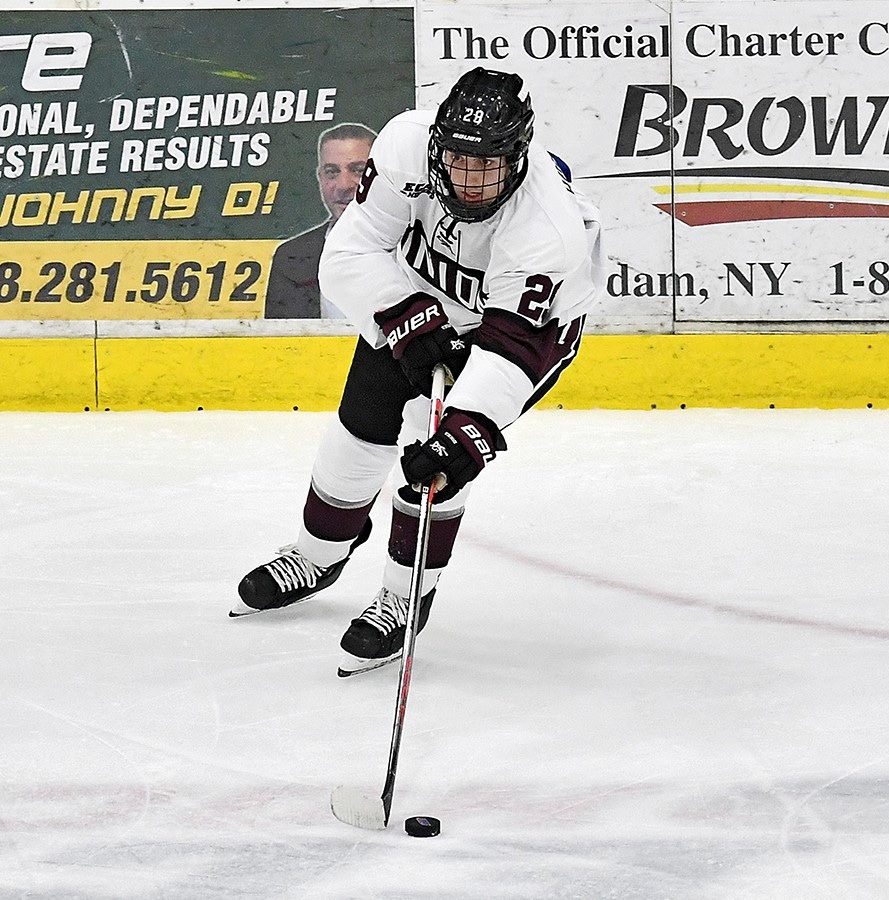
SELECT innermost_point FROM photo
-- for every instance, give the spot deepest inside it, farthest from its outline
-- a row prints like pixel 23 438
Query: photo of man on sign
pixel 293 291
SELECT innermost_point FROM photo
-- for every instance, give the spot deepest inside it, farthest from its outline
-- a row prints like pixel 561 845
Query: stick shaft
pixel 416 592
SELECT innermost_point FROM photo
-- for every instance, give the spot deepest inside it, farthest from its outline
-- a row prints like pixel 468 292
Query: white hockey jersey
pixel 534 266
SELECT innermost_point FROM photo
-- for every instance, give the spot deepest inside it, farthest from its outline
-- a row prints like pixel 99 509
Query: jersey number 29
pixel 538 298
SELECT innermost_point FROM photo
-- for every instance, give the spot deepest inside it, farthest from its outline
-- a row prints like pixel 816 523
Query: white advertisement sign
pixel 779 133
pixel 739 152
pixel 576 60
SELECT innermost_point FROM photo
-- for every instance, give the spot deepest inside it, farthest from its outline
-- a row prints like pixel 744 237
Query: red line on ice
pixel 727 609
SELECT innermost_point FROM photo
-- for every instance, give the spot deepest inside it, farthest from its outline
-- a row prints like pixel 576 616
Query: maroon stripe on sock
pixel 331 523
pixel 403 539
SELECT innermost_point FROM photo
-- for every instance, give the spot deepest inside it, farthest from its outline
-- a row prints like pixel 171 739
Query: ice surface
pixel 658 666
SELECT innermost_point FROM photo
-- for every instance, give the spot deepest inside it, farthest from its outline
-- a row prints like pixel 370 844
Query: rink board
pixel 307 373
pixel 47 374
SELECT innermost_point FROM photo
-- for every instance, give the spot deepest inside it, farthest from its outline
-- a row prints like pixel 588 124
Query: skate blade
pixel 349 805
pixel 354 665
pixel 241 609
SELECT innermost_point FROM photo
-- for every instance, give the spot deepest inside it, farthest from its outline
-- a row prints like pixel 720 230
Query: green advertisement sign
pixel 154 163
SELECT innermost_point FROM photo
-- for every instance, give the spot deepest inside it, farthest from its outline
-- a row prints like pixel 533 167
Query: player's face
pixel 339 171
pixel 476 179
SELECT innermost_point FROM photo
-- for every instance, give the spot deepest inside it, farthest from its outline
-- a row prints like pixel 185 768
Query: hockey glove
pixel 464 443
pixel 420 336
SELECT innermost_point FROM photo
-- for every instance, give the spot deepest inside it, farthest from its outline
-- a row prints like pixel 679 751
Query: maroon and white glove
pixel 420 337
pixel 463 445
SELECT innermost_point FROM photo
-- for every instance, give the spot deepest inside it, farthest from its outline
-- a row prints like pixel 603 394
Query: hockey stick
pixel 349 805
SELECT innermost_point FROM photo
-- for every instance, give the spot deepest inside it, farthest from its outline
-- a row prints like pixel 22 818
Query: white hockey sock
pixel 397 578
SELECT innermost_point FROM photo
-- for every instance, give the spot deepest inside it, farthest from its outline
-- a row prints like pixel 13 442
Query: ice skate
pixel 376 637
pixel 289 579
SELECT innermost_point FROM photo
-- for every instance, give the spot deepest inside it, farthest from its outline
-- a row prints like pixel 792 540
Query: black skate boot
pixel 376 637
pixel 289 579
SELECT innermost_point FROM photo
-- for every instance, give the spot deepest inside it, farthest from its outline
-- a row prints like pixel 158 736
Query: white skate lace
pixel 292 570
pixel 387 612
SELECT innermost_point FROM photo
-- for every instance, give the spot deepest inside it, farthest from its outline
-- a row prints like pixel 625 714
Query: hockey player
pixel 466 246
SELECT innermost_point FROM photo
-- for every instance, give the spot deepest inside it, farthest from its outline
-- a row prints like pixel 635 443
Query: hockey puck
pixel 422 826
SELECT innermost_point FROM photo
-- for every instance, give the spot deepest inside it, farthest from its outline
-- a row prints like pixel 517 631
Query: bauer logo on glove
pixel 463 445
pixel 477 438
pixel 412 326
pixel 420 337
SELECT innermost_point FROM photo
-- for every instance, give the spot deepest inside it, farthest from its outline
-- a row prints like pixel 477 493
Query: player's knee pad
pixel 350 469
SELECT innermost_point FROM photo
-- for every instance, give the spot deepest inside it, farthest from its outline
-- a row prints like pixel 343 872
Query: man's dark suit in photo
pixel 293 291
